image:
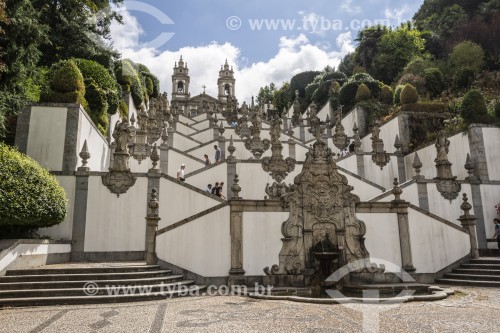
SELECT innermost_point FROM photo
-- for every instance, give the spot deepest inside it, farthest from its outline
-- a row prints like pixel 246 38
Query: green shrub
pixel 334 88
pixel 386 95
pixel 66 77
pixel 434 81
pixel 433 107
pixel 123 109
pixel 464 78
pixel 152 84
pixel 417 81
pixel 473 108
pixel 363 93
pixel 340 77
pixel 347 93
pixel 30 197
pixel 497 108
pixel 94 73
pixel 397 94
pixel 409 95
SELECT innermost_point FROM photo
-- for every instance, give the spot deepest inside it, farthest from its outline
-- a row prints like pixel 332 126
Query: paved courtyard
pixel 470 310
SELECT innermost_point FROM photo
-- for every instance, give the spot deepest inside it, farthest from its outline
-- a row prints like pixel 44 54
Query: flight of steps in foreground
pixel 91 283
pixel 483 272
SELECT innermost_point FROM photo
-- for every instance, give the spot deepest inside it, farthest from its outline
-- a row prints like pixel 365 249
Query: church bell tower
pixel 180 81
pixel 226 83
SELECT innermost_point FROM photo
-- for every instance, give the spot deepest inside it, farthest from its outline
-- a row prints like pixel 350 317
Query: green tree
pixel 467 55
pixel 265 94
pixel 281 97
pixel 19 44
pixel 368 39
pixel 395 49
pixel 78 29
pixel 347 64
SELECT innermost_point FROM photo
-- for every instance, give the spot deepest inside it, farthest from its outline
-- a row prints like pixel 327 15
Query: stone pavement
pixel 470 310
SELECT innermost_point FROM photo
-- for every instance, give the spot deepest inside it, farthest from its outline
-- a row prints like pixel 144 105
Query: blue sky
pixel 297 36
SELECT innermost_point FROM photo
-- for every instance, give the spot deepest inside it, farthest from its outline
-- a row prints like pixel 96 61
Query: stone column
pixel 152 219
pixel 236 273
pixel 302 131
pixel 469 223
pixel 403 228
pixel 401 160
pixel 423 199
pixel 222 146
pixel 291 148
pixel 170 140
pixel 477 151
pixel 79 216
pixel 164 158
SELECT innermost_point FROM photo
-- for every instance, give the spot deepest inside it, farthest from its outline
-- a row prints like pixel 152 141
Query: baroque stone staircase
pixel 91 283
pixel 483 272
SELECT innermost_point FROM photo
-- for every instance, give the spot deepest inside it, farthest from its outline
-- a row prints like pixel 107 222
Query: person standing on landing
pixel 218 154
pixel 180 173
pixel 207 161
pixel 496 236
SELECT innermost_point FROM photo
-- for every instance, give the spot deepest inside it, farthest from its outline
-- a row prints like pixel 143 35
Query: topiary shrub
pixel 386 95
pixel 30 197
pixel 347 93
pixel 417 81
pixel 66 77
pixel 64 84
pixel 363 93
pixel 473 108
pixel 409 95
pixel 334 88
pixel 434 81
pixel 397 94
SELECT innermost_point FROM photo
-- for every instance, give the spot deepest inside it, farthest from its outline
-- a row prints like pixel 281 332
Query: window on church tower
pixel 227 89
pixel 180 87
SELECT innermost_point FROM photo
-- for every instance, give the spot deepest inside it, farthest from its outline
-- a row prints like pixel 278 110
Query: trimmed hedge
pixel 425 107
pixel 473 108
pixel 386 95
pixel 397 94
pixel 30 197
pixel 363 93
pixel 409 95
pixel 66 77
pixel 434 81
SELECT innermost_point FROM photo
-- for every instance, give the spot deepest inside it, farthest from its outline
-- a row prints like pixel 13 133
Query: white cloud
pixel 348 7
pixel 311 22
pixel 295 55
pixel 397 14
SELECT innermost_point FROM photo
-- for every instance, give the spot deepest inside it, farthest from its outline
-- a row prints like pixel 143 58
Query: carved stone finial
pixel 155 157
pixel 236 188
pixel 465 206
pixel 397 144
pixel 132 120
pixel 469 165
pixel 416 165
pixel 153 204
pixel 164 135
pixel 379 156
pixel 255 144
pixel 84 155
pixel 221 128
pixel 396 190
pixel 231 149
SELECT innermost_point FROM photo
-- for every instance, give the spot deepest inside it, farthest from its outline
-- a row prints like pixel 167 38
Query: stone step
pixel 476 271
pixel 481 266
pixel 61 300
pixel 472 277
pixel 82 270
pixel 485 261
pixel 456 282
pixel 81 277
pixel 128 290
pixel 79 284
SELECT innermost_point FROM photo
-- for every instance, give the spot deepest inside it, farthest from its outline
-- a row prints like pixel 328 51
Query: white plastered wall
pixel 492 150
pixel 384 177
pixel 175 160
pixel 178 202
pixel 211 175
pixel 490 196
pixel 261 240
pixel 202 246
pixel 442 207
pixel 46 136
pixel 201 125
pixel 98 147
pixel 388 133
pixel 434 245
pixel 64 230
pixel 382 237
pixel 459 148
pixel 116 224
pixel 204 136
pixel 186 130
pixel 183 143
